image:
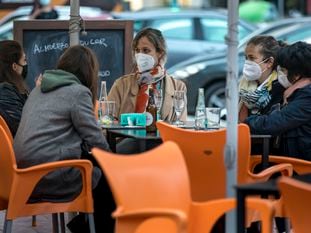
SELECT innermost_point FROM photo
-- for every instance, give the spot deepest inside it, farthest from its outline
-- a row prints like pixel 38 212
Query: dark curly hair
pixel 296 59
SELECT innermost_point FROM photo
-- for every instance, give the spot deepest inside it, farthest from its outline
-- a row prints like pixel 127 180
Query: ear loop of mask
pixel 263 61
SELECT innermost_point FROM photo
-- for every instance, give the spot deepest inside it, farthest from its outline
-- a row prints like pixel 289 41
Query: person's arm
pixel 115 95
pixel 84 121
pixel 182 87
pixel 296 113
pixel 12 104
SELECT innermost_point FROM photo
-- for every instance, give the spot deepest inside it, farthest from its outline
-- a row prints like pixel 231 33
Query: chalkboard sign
pixel 45 40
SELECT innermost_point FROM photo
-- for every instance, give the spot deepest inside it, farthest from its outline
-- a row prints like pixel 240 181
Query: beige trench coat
pixel 125 89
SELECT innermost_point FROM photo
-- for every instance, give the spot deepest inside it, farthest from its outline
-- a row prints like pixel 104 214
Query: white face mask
pixel 44 2
pixel 144 62
pixel 283 80
pixel 252 70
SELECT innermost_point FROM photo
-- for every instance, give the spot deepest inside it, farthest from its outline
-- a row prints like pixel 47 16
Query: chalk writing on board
pixel 44 43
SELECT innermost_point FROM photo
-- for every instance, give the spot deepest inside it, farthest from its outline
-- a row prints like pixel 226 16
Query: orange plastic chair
pixel 297 203
pixel 9 134
pixel 300 166
pixel 204 155
pixel 152 193
pixel 6 128
pixel 16 186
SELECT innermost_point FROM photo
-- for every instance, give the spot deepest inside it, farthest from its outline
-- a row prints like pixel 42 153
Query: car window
pixel 174 28
pixel 138 25
pixel 215 30
pixel 301 34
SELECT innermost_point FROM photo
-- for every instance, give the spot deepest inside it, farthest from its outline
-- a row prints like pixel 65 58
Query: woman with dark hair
pixel 13 91
pixel 58 123
pixel 293 121
pixel 259 88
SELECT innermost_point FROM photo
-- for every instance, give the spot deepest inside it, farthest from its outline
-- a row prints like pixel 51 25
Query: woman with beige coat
pixel 130 92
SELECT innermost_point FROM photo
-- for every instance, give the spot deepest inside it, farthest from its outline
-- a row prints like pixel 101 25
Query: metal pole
pixel 281 8
pixel 232 108
pixel 74 22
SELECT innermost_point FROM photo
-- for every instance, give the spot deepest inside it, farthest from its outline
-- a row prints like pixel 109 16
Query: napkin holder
pixel 133 119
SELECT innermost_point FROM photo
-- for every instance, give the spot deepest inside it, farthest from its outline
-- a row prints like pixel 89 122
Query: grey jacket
pixel 56 119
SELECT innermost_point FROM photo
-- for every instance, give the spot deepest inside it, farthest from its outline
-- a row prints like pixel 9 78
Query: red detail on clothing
pixel 142 98
pixel 243 114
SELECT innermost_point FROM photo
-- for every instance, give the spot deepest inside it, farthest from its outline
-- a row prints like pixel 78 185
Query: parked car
pixel 188 32
pixel 209 71
pixel 22 13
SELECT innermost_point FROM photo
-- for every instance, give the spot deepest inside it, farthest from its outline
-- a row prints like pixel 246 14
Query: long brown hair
pixel 11 52
pixel 82 62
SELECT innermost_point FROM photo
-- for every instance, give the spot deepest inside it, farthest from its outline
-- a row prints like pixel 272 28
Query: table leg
pixel 240 212
pixel 112 141
pixel 265 154
pixel 142 145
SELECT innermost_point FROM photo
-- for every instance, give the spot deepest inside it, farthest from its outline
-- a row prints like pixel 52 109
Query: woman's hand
pixel 38 80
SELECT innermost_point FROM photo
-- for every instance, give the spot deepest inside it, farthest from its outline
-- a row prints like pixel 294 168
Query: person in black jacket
pixel 293 121
pixel 13 90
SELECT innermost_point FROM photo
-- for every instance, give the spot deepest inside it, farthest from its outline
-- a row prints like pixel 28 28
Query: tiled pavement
pixel 23 225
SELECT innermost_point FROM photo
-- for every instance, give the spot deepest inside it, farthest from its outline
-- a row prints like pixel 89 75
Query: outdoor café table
pixel 139 132
pixel 115 131
pixel 261 188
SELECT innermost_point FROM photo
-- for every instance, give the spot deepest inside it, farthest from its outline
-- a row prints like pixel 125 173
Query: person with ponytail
pixel 130 92
pixel 259 88
pixel 292 123
pixel 13 90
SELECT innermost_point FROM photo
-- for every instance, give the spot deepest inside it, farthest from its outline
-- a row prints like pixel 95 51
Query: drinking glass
pixel 107 112
pixel 213 118
pixel 179 105
pixel 158 98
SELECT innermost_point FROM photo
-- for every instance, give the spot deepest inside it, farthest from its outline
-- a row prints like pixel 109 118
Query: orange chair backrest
pixel 151 176
pixel 6 128
pixel 204 155
pixel 297 203
pixel 7 163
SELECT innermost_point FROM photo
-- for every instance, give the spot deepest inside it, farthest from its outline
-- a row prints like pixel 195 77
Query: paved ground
pixel 23 225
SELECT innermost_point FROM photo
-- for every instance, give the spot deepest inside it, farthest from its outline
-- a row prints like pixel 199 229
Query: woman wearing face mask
pixel 292 122
pixel 259 87
pixel 13 90
pixel 43 10
pixel 131 91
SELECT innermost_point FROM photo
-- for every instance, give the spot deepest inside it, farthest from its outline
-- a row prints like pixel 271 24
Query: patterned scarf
pixel 258 99
pixel 146 81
